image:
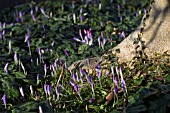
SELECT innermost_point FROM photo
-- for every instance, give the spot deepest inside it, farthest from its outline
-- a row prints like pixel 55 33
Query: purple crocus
pixel 75 77
pixel 36 8
pixel 73 6
pixel 121 18
pixel 4 100
pixel 80 34
pixel 52 44
pixel 68 16
pixel 45 70
pixel 98 70
pixel 81 18
pixel 57 92
pixel 115 90
pixel 40 109
pixel 74 17
pixel 84 72
pixel 49 88
pixel 81 10
pixel 111 40
pixel 31 89
pixel 66 53
pixel 104 40
pixel 6 68
pixel 136 14
pixel 37 78
pixel 15 58
pixel 34 18
pixel 118 7
pixel 113 73
pixel 100 6
pixel 43 12
pixel 21 16
pixel 76 89
pixel 92 87
pixel 123 84
pixel 23 68
pixel 21 91
pixel 99 42
pixel 91 100
pixel 145 11
pixel 10 46
pixel 45 88
pixel 122 34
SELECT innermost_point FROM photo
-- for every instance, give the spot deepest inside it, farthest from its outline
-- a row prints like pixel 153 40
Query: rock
pixel 155 34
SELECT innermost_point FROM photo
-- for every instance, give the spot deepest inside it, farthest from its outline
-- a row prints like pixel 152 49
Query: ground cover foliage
pixel 40 40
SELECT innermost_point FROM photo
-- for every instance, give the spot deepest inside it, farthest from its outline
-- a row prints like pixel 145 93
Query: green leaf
pixel 82 49
pixel 167 79
pixel 19 75
pixel 136 109
pixel 28 106
pixel 115 111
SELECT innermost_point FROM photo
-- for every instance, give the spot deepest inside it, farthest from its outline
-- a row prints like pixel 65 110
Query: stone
pixel 156 33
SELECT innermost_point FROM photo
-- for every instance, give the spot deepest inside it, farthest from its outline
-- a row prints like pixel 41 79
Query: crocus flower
pixel 81 10
pixel 21 16
pixel 15 58
pixel 100 6
pixel 31 89
pixel 45 70
pixel 118 7
pixel 111 40
pixel 57 92
pixel 144 11
pixel 99 42
pixel 74 17
pixel 66 53
pixel 36 8
pixel 34 18
pixel 21 91
pixel 92 87
pixel 113 73
pixel 37 78
pixel 49 88
pixel 6 68
pixel 121 18
pixel 76 89
pixel 43 12
pixel 23 68
pixel 68 16
pixel 73 6
pixel 71 83
pixel 91 100
pixel 122 34
pixel 4 100
pixel 123 84
pixel 75 77
pixel 98 70
pixel 115 90
pixel 10 47
pixel 40 109
pixel 80 34
pixel 45 88
pixel 52 44
pixel 81 18
pixel 136 14
pixel 103 42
